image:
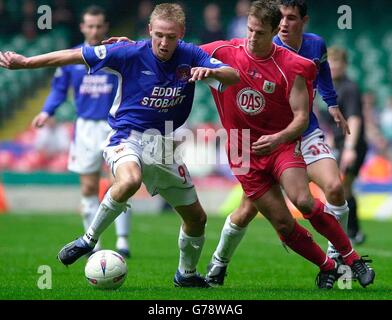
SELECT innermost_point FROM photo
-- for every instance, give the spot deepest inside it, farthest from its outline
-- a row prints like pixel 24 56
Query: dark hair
pixel 300 4
pixel 267 11
pixel 94 11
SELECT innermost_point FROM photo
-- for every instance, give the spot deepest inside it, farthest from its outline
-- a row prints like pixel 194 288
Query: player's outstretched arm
pixel 13 61
pixel 225 75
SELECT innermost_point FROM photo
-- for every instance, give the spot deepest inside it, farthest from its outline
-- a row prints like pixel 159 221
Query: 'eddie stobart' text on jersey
pixel 94 94
pixel 150 91
pixel 260 102
pixel 313 48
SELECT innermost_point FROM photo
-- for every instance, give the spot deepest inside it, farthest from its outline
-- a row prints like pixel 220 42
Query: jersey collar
pixel 291 48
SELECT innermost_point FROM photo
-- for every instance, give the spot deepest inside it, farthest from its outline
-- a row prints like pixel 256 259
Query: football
pixel 106 269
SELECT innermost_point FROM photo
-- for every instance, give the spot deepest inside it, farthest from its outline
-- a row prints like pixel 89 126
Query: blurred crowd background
pixel 28 155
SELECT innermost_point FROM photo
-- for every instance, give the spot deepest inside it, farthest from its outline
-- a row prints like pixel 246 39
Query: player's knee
pixel 198 220
pixel 334 191
pixel 89 189
pixel 243 215
pixel 128 184
pixel 304 203
pixel 284 227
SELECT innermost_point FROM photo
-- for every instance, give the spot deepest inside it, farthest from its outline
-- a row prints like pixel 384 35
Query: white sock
pixel 231 237
pixel 107 212
pixel 122 243
pixel 98 246
pixel 122 223
pixel 89 207
pixel 190 250
pixel 341 213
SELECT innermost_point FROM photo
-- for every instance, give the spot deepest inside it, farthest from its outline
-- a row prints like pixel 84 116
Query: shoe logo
pixel 195 246
pixel 148 73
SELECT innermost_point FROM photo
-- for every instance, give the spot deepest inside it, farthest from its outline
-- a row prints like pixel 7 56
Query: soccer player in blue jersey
pixel 94 95
pixel 154 97
pixel 322 167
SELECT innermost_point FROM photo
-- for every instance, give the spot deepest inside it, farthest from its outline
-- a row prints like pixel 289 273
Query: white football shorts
pixel 85 154
pixel 163 170
pixel 314 147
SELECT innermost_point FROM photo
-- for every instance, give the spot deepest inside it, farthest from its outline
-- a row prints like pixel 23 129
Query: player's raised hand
pixel 339 119
pixel 265 145
pixel 40 120
pixel 116 39
pixel 200 73
pixel 12 60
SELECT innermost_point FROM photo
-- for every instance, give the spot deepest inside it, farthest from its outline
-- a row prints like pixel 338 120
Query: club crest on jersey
pixel 268 86
pixel 250 101
pixel 100 52
pixel 183 72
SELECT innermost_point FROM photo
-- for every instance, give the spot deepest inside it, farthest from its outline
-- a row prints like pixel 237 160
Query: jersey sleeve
pixel 306 69
pixel 209 48
pixel 105 56
pixel 301 67
pixel 325 85
pixel 58 91
pixel 202 59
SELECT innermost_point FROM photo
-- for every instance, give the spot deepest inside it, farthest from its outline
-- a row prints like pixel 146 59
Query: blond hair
pixel 169 11
pixel 336 53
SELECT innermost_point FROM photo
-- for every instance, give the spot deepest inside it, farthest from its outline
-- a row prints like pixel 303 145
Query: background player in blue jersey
pixel 322 167
pixel 154 97
pixel 94 95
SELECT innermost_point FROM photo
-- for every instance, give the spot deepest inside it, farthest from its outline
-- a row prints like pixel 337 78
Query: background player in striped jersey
pixel 94 95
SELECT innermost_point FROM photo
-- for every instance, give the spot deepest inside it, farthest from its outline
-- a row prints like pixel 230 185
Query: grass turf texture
pixel 260 269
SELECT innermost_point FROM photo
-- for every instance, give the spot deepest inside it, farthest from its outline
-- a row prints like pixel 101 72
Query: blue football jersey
pixel 93 94
pixel 313 47
pixel 151 92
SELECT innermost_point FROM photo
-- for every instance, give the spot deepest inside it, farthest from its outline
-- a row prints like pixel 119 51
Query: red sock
pixel 327 225
pixel 301 241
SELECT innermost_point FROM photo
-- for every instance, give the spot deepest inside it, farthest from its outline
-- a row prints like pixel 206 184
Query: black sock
pixel 353 224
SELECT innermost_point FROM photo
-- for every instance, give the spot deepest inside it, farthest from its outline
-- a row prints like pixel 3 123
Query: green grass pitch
pixel 260 269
